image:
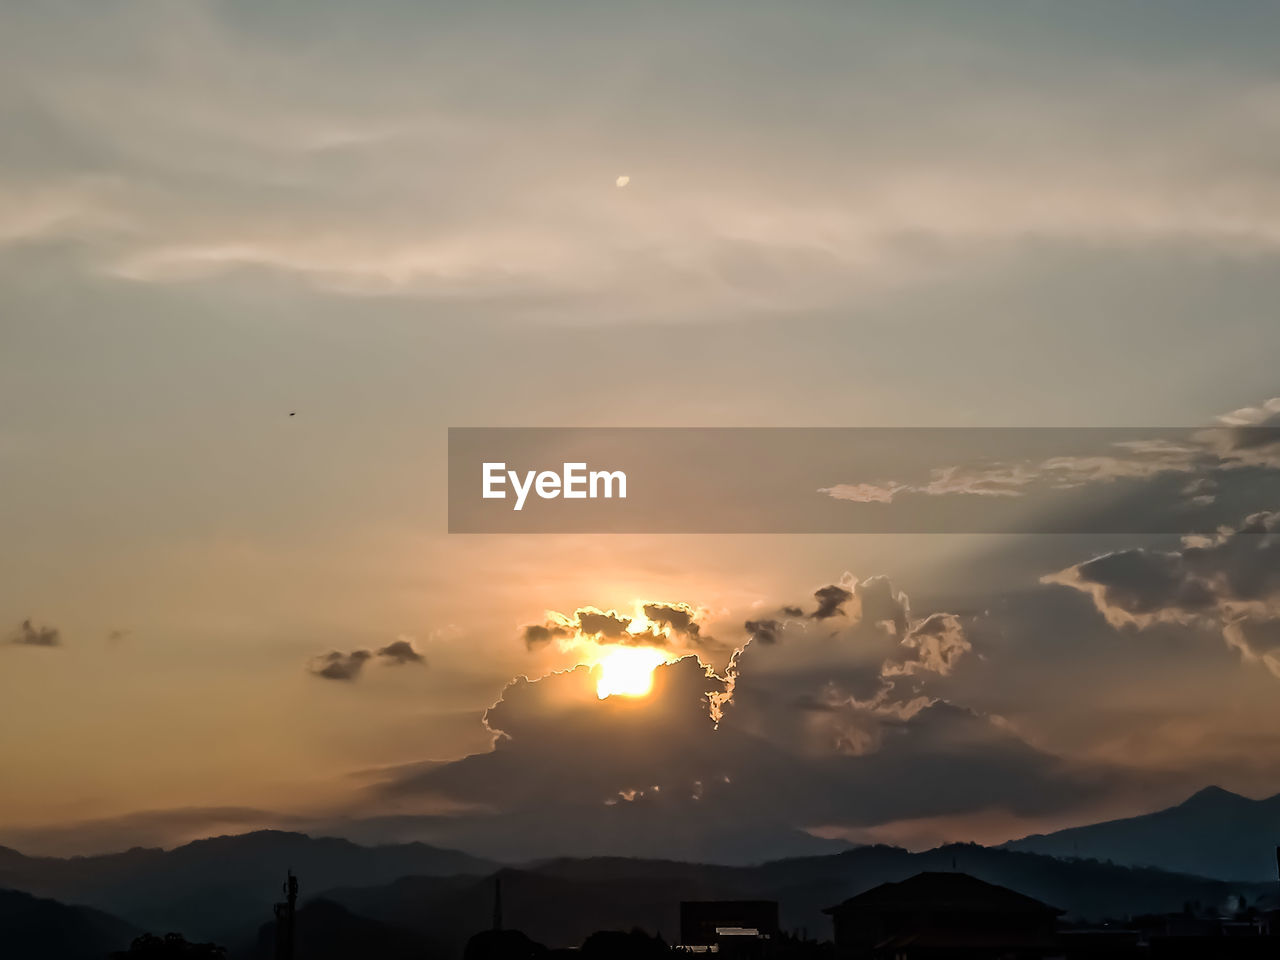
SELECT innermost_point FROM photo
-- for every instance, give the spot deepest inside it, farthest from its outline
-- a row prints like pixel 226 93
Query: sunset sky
pixel 256 259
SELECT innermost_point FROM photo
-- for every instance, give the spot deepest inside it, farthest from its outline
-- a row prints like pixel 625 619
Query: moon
pixel 622 181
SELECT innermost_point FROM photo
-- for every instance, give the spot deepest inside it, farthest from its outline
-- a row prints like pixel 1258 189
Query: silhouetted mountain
pixel 329 931
pixel 1214 833
pixel 222 889
pixel 561 902
pixel 688 831
pixel 32 928
pixel 555 910
pixel 211 888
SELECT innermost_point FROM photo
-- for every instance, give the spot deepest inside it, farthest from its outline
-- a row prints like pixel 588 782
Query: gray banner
pixel 860 480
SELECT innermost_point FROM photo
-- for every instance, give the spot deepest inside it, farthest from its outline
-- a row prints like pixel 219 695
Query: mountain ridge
pixel 206 887
pixel 1213 833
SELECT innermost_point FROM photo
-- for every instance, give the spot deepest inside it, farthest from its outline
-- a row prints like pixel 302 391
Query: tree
pixel 617 945
pixel 172 946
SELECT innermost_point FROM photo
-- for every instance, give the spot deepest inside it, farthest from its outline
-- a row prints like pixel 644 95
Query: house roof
pixel 953 891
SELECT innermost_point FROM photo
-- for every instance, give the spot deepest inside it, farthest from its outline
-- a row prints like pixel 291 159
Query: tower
pixel 284 918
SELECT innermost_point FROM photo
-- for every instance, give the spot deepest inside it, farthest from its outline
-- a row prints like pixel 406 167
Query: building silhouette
pixel 944 915
pixel 736 928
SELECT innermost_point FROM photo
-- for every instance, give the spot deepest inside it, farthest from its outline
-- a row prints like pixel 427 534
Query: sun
pixel 627 671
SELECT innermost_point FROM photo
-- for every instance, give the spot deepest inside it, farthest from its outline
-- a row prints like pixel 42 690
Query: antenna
pixel 497 902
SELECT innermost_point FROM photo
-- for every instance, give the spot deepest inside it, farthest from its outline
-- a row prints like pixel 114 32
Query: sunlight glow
pixel 628 671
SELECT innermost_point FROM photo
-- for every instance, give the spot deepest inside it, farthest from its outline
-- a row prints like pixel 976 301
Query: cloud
pixel 813 691
pixel 557 627
pixel 808 226
pixel 831 600
pixel 763 631
pixel 1248 437
pixel 336 665
pixel 934 645
pixel 660 776
pixel 678 618
pixel 658 625
pixel 789 697
pixel 30 635
pixel 880 602
pixel 400 652
pixel 1229 581
pixel 557 743
pixel 605 627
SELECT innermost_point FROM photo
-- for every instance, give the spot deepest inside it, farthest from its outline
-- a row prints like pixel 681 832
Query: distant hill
pixel 32 928
pixel 1215 833
pixel 417 900
pixel 212 888
pixel 328 931
pixel 559 902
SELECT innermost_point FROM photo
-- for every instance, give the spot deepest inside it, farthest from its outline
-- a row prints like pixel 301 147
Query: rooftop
pixel 954 891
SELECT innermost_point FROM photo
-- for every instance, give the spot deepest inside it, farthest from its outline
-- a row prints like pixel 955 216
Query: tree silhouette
pixel 619 945
pixel 172 946
pixel 502 945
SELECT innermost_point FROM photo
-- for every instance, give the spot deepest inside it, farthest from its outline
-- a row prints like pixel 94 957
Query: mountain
pixel 328 931
pixel 559 902
pixel 32 928
pixel 689 832
pixel 211 889
pixel 1214 833
pixel 414 899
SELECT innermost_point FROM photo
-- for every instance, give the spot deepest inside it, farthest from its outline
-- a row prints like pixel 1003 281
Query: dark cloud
pixel 1142 582
pixel 613 775
pixel 679 619
pixel 336 665
pixel 400 652
pixel 668 622
pixel 822 690
pixel 30 635
pixel 558 744
pixel 879 602
pixel 848 722
pixel 1230 581
pixel 537 635
pixel 763 631
pixel 602 625
pixel 831 600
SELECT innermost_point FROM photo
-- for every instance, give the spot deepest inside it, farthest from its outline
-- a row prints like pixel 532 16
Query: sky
pixel 255 260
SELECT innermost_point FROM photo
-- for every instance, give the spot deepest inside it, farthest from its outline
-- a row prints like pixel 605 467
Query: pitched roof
pixel 954 891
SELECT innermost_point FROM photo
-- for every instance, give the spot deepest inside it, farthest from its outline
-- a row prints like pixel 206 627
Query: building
pixel 944 915
pixel 736 928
